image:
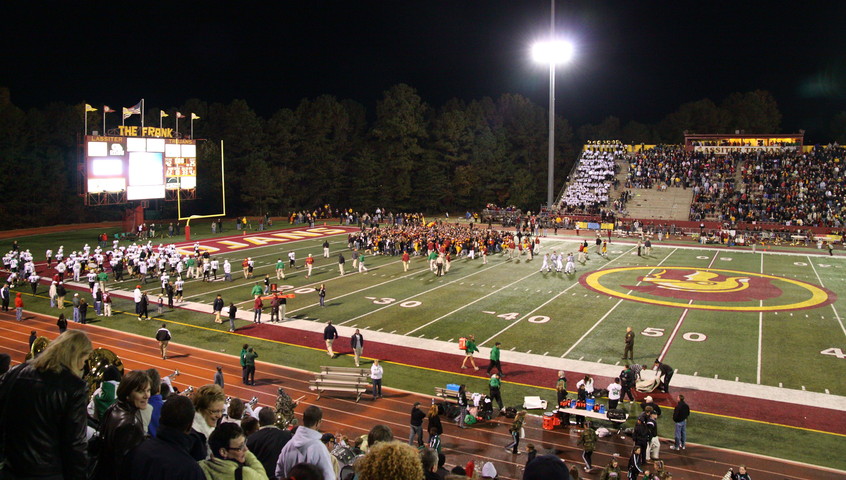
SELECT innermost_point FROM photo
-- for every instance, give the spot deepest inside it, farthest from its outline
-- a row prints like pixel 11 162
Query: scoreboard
pixel 143 167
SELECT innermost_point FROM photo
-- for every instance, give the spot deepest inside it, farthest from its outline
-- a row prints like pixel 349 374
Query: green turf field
pixel 726 321
pixel 553 314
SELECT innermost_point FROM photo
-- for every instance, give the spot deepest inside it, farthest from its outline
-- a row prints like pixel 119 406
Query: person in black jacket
pixel 417 416
pixel 267 443
pixel 122 428
pixel 43 402
pixel 169 454
pixel 666 375
pixel 641 436
pixel 680 415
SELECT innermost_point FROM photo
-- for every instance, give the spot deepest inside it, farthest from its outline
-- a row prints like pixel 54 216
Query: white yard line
pixel 836 315
pixel 681 319
pixel 592 328
pixel 760 332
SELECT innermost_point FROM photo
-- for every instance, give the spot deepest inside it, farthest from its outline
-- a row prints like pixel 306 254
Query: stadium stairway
pixel 671 204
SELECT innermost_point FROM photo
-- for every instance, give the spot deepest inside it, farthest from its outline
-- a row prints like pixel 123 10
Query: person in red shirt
pixel 309 261
pixel 405 260
pixel 257 306
pixel 19 304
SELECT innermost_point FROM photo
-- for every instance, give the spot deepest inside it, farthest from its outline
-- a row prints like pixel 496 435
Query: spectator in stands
pixel 305 446
pixel 231 459
pixel 429 459
pixel 155 403
pixel 208 403
pixel 43 403
pixel 329 441
pixel 390 461
pixel 741 473
pixel 249 425
pixel 379 433
pixel 267 443
pixel 168 454
pixel 122 428
pixel 305 471
pixel 546 467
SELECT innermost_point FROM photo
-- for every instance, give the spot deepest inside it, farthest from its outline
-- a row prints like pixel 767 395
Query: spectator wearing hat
pixel 546 467
pixel 489 471
pixel 329 440
pixel 417 416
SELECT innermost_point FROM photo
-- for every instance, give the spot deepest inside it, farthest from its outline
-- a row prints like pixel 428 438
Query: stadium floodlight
pixel 556 52
pixel 552 53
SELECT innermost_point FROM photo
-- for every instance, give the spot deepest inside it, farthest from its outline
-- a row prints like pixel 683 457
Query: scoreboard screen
pixel 143 167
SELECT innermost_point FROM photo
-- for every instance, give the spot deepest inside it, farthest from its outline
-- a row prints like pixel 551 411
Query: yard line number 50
pixel 689 336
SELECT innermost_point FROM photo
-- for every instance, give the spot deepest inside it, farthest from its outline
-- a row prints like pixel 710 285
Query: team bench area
pixel 451 395
pixel 341 379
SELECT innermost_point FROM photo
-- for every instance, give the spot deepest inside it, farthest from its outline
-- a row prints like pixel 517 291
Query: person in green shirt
pixel 256 290
pixel 361 267
pixel 468 352
pixel 588 441
pixel 280 269
pixel 493 387
pixel 495 360
pixel 250 362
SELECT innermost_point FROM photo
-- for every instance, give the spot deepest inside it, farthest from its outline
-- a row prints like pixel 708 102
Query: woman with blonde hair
pixel 434 421
pixel 517 433
pixel 390 461
pixel 49 417
pixel 208 403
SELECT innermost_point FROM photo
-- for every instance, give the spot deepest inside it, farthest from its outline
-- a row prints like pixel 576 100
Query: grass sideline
pixel 193 329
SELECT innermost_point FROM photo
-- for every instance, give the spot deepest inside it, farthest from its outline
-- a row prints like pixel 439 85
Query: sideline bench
pixel 451 395
pixel 348 371
pixel 340 379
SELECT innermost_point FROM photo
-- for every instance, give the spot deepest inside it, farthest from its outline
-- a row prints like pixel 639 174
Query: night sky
pixel 636 60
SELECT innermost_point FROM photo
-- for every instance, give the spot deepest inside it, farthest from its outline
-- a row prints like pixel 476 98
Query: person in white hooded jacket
pixel 306 447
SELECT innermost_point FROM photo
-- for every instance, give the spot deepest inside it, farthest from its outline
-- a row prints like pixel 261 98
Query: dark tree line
pixel 407 155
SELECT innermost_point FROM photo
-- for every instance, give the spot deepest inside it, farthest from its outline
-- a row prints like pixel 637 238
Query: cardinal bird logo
pixel 706 285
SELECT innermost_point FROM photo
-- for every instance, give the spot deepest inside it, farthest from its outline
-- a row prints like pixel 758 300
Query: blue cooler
pixel 602 409
pixel 589 403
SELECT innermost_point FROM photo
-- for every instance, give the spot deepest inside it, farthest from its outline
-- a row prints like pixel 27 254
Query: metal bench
pixel 341 379
pixel 451 395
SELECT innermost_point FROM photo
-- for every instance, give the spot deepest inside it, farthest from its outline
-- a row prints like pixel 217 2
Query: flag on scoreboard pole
pixel 106 109
pixel 178 116
pixel 193 117
pixel 88 108
pixel 134 110
pixel 162 114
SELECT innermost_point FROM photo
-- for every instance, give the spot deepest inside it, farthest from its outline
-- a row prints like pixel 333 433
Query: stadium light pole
pixel 552 53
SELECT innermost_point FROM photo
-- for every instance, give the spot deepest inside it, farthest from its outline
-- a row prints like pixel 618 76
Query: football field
pixel 770 318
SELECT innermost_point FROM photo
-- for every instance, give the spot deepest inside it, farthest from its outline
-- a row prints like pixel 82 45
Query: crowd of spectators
pixel 592 179
pixel 786 187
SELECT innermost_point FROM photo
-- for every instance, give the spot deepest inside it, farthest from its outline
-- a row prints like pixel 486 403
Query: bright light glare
pixel 556 52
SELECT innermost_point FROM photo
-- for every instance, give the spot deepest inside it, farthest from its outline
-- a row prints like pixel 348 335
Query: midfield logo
pixel 707 289
pixel 706 285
